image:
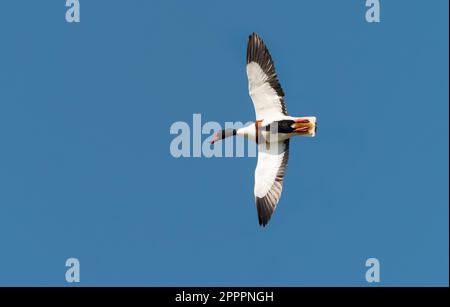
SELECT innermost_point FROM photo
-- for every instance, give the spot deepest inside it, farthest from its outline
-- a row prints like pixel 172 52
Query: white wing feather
pixel 263 85
pixel 269 175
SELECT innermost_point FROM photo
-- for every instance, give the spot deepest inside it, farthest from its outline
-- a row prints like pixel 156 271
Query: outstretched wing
pixel 263 85
pixel 269 174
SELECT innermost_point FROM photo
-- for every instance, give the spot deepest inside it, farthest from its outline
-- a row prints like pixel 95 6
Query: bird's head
pixel 222 134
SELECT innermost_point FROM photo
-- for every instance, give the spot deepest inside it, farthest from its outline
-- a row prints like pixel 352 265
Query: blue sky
pixel 86 171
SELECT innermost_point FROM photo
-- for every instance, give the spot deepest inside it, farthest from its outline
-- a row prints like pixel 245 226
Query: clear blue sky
pixel 86 171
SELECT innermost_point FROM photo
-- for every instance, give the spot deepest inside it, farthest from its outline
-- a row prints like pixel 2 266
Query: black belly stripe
pixel 282 126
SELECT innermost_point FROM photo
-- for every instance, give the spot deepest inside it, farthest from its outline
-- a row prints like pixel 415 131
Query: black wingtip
pixel 254 34
pixel 265 211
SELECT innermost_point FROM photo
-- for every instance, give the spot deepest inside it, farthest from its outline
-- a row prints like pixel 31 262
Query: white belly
pixel 271 137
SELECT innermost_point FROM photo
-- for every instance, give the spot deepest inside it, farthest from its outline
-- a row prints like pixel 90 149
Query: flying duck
pixel 272 129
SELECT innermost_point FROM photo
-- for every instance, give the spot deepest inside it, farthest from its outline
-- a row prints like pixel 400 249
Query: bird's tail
pixel 305 126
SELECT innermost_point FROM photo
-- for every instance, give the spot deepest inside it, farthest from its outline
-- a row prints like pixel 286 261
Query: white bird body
pixel 269 136
pixel 272 129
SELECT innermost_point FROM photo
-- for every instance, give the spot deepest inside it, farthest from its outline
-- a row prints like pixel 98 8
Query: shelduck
pixel 271 130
